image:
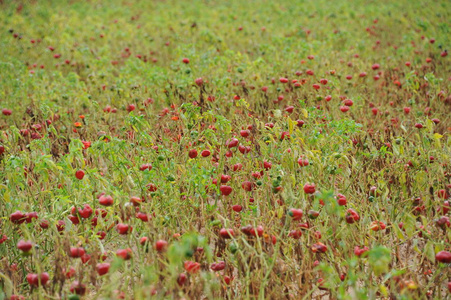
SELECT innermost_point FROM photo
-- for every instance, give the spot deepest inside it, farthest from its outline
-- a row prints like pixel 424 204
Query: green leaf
pixel 379 259
pixel 7 285
pixel 429 251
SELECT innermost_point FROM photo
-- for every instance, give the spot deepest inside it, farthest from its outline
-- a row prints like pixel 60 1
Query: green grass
pixel 114 55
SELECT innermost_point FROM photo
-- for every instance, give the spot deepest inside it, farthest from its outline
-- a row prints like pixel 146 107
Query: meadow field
pixel 211 149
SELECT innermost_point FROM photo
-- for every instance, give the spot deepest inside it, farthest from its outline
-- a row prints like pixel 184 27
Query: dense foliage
pixel 225 149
